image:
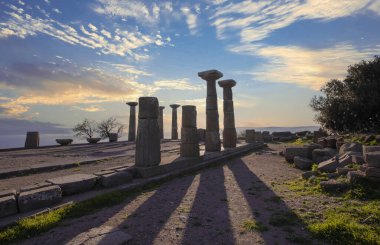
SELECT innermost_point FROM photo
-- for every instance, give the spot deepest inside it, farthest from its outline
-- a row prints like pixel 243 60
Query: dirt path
pixel 213 206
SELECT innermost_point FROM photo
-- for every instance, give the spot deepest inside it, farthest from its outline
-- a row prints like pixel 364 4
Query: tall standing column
pixel 212 142
pixel 148 148
pixel 174 121
pixel 132 121
pixel 189 133
pixel 229 131
pixel 161 121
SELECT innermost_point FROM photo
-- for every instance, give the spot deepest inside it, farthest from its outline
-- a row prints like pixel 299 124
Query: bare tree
pixel 85 129
pixel 109 126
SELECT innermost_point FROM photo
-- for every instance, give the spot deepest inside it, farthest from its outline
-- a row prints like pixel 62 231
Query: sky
pixel 63 61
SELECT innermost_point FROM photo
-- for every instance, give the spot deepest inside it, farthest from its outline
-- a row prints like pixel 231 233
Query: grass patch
pixel 301 141
pixel 306 187
pixel 352 223
pixel 286 218
pixel 253 225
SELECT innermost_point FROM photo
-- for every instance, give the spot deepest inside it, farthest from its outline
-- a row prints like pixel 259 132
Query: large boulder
pixel 303 163
pixel 333 163
pixel 373 159
pixel 354 176
pixel 354 146
pixel 291 152
pixel 311 147
pixel 331 142
pixel 369 149
pixel 320 155
pixel 372 172
pixel 333 185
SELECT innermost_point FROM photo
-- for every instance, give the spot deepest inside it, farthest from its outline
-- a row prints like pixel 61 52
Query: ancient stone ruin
pixel 174 121
pixel 229 131
pixel 132 121
pixel 148 148
pixel 32 140
pixel 189 134
pixel 212 142
pixel 161 121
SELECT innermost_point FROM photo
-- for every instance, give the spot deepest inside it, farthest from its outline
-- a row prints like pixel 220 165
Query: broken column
pixel 212 142
pixel 161 121
pixel 32 140
pixel 132 121
pixel 229 131
pixel 174 121
pixel 148 148
pixel 189 132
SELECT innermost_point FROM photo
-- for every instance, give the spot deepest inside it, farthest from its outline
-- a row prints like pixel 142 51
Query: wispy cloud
pixel 191 19
pixel 302 66
pixel 92 108
pixel 177 84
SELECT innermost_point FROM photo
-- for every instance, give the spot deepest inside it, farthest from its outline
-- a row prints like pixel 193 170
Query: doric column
pixel 132 121
pixel 189 133
pixel 148 148
pixel 212 142
pixel 161 121
pixel 229 131
pixel 174 121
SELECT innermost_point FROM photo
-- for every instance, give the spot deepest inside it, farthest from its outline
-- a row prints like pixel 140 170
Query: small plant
pixel 85 129
pixel 253 225
pixel 314 167
pixel 106 127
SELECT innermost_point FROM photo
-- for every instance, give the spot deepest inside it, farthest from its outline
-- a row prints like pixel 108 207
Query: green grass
pixel 286 218
pixel 306 187
pixel 301 141
pixel 253 225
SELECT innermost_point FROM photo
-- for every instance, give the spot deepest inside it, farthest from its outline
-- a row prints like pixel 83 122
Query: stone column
pixel 132 121
pixel 32 140
pixel 212 142
pixel 189 133
pixel 161 121
pixel 229 131
pixel 148 148
pixel 174 121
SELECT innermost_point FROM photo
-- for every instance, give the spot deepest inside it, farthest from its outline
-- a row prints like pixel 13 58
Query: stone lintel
pixel 210 75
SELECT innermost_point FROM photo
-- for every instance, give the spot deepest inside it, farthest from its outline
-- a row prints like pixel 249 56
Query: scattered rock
pixel 369 149
pixel 8 205
pixel 373 159
pixel 75 183
pixel 322 142
pixel 332 175
pixel 331 142
pixel 303 163
pixel 39 198
pixel 333 185
pixel 354 176
pixel 10 192
pixel 291 152
pixel 308 174
pixel 343 171
pixel 329 165
pixel 114 179
pixel 320 155
pixel 372 172
pixel 354 146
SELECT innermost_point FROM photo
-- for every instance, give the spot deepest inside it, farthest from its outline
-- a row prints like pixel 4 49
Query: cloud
pixel 302 66
pixel 16 126
pixel 92 108
pixel 255 21
pixel 130 70
pixel 191 19
pixel 176 84
pixel 124 43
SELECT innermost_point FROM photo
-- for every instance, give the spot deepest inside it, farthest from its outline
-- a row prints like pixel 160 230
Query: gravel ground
pixel 209 207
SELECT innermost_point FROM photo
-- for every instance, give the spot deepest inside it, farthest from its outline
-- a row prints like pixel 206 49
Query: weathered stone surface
pixel 372 172
pixel 148 107
pixel 213 116
pixel 311 147
pixel 250 135
pixel 357 159
pixel 104 172
pixel 75 183
pixel 258 136
pixel 148 148
pixel 278 135
pixel 32 140
pixel 228 105
pixel 9 192
pixel 356 147
pixel 201 134
pixel 291 152
pixel 303 163
pixel 189 116
pixel 229 137
pixel 333 185
pixel 229 120
pixel 211 105
pixel 35 186
pixel 213 141
pixel 320 155
pixel 174 121
pixel 322 142
pixel 373 159
pixel 161 121
pixel 103 235
pixel 189 135
pixel 132 121
pixel 369 149
pixel 308 174
pixel 354 176
pixel 189 150
pixel 331 142
pixel 329 165
pixel 212 75
pixel 318 134
pixel 343 171
pixel 39 198
pixel 114 179
pixel 64 142
pixel 8 205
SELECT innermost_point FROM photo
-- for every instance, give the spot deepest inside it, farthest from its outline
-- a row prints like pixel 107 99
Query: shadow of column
pixel 209 221
pixel 264 204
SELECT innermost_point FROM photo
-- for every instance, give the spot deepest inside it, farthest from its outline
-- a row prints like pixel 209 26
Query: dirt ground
pixel 208 207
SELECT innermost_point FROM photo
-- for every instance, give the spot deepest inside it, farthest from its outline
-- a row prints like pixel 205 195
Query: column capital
pixel 174 106
pixel 229 83
pixel 132 103
pixel 210 75
pixel 162 107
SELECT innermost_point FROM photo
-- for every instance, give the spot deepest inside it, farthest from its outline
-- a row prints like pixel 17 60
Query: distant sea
pixel 14 141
